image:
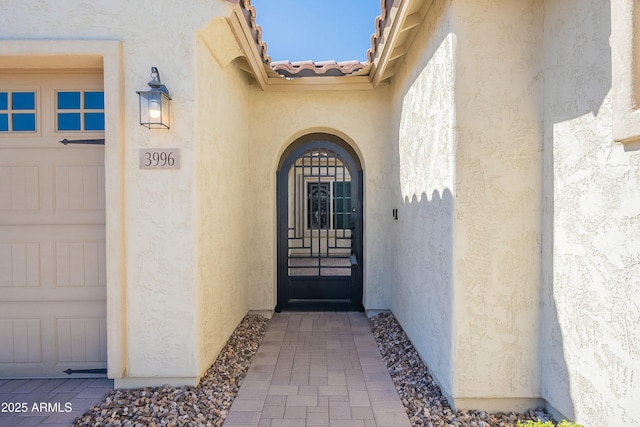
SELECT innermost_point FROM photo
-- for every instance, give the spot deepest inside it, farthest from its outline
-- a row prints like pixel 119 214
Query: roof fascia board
pixel 319 83
pixel 389 42
pixel 243 35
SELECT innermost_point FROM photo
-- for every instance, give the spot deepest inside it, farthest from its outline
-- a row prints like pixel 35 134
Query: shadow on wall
pixel 421 238
pixel 423 292
pixel 577 143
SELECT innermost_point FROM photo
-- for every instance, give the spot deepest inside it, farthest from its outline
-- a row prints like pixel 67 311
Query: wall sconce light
pixel 155 105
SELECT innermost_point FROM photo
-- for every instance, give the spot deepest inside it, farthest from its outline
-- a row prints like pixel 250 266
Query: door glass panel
pixel 69 121
pixel 23 101
pixel 68 100
pixel 24 122
pixel 94 100
pixel 318 206
pixel 94 121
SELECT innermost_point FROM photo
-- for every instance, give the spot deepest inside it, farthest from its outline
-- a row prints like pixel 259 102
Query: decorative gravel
pixel 205 405
pixel 420 395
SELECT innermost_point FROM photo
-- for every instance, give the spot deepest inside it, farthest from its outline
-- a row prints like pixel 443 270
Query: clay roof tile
pixel 310 68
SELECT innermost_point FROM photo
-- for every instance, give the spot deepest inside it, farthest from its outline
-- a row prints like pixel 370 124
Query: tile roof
pixel 310 68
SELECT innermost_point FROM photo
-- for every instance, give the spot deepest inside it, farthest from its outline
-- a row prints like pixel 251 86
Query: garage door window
pixel 80 111
pixel 17 111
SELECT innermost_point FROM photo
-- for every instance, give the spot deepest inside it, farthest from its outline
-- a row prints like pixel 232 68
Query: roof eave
pixel 389 45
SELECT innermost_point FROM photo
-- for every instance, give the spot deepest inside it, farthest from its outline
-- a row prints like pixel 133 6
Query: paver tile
pixel 281 380
pixel 300 378
pixel 302 400
pixel 242 418
pixel 295 412
pixel 336 378
pixel 288 390
pixel 308 390
pixel 62 418
pixel 240 404
pixel 346 423
pixel 257 385
pixel 275 400
pixel 397 419
pixel 31 421
pixel 380 385
pixel 387 406
pixel 362 413
pixel 317 418
pixel 30 386
pixel 258 376
pixel 313 380
pixel 332 390
pixel 383 395
pixel 273 411
pixel 339 410
pixel 97 392
pixel 10 386
pixel 359 398
pixel 299 422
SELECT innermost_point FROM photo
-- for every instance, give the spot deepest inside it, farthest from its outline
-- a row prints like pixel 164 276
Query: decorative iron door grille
pixel 319 229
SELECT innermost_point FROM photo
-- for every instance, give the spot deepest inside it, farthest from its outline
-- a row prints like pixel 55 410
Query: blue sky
pixel 318 30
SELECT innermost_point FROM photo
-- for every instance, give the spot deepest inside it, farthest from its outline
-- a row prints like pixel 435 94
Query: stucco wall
pixel 422 188
pixel 223 194
pixel 469 165
pixel 590 349
pixel 278 119
pixel 498 202
pixel 158 222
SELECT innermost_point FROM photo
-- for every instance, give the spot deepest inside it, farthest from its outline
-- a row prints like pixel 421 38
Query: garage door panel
pixel 19 188
pixel 63 256
pixel 80 264
pixel 79 187
pixel 19 264
pixel 65 335
pixel 82 340
pixel 21 340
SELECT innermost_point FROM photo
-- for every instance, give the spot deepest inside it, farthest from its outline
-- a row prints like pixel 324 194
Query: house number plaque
pixel 167 158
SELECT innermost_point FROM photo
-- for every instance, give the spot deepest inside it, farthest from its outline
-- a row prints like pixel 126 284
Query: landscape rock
pixel 421 396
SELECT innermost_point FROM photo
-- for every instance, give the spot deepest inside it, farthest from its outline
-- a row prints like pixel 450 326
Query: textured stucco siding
pixel 468 237
pixel 590 347
pixel 277 120
pixel 423 191
pixel 223 194
pixel 498 201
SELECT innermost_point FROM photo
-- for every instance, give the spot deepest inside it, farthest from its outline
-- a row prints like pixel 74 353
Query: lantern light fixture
pixel 155 105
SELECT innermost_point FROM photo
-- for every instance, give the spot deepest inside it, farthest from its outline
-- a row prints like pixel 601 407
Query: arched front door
pixel 319 190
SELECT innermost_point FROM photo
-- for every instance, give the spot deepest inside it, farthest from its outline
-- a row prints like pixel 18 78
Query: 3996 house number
pixel 167 158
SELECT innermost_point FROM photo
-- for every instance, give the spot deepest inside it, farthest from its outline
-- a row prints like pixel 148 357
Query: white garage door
pixel 52 233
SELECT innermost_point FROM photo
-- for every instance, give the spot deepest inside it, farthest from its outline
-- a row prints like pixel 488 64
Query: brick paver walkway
pixel 49 403
pixel 318 369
